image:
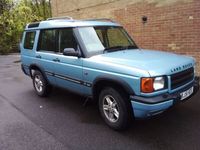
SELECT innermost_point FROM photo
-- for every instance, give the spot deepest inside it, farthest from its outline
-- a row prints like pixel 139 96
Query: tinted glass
pixel 67 39
pixel 29 40
pixel 48 41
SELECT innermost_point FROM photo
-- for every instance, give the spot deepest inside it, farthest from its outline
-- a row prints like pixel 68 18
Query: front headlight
pixel 159 83
pixel 149 85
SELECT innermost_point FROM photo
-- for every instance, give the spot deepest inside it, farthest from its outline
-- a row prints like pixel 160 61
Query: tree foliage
pixel 13 18
pixel 5 5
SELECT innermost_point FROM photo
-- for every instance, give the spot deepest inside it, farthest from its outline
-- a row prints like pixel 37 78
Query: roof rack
pixel 63 17
pixel 100 19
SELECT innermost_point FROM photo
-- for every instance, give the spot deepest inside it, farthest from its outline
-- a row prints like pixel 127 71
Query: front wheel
pixel 40 84
pixel 114 108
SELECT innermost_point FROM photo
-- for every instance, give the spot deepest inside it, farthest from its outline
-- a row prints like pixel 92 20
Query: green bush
pixel 13 20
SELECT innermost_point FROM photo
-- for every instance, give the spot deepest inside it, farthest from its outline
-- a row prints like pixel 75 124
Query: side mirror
pixel 71 52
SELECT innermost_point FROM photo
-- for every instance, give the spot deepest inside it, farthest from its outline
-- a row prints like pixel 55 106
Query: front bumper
pixel 150 106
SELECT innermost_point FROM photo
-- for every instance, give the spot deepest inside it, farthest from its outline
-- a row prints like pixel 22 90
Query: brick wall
pixel 172 25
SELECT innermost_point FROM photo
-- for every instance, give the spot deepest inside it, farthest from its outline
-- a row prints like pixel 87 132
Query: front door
pixel 68 69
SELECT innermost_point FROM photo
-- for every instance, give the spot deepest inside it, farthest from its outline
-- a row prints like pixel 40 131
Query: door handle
pixel 56 60
pixel 38 56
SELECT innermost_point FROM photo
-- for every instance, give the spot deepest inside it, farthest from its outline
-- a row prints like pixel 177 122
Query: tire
pixel 40 84
pixel 118 114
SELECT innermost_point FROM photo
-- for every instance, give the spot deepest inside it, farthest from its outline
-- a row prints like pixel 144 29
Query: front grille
pixel 182 78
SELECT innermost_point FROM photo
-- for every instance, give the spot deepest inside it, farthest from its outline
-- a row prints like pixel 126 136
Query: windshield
pixel 102 39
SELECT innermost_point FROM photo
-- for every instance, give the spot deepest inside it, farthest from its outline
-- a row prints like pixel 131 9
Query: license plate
pixel 187 93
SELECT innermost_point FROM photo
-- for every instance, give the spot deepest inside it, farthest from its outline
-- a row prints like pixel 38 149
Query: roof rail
pixel 63 17
pixel 100 19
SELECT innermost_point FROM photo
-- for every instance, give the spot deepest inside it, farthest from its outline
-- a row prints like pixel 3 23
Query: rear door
pixel 46 52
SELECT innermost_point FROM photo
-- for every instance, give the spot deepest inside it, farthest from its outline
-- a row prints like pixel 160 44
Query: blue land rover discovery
pixel 99 60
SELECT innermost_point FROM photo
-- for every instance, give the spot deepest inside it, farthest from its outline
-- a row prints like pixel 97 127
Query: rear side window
pixel 29 40
pixel 56 40
pixel 48 41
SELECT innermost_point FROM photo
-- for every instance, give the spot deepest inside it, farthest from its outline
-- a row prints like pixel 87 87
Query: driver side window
pixel 66 39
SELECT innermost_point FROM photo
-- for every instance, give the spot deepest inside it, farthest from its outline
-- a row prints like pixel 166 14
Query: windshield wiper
pixel 114 48
pixel 131 47
pixel 118 48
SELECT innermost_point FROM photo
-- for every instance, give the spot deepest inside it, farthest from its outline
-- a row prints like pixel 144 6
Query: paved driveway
pixel 60 122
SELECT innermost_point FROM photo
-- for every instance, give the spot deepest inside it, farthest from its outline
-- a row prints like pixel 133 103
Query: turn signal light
pixel 147 85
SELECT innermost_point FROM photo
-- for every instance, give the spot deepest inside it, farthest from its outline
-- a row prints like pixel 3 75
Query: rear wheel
pixel 40 84
pixel 114 108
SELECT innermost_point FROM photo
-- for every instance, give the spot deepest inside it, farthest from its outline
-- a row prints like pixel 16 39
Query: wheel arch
pixel 103 81
pixel 37 67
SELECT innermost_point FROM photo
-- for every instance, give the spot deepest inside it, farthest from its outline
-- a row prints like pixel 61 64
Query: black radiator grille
pixel 182 78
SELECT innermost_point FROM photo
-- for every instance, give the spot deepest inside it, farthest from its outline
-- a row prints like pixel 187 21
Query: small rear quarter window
pixel 29 40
